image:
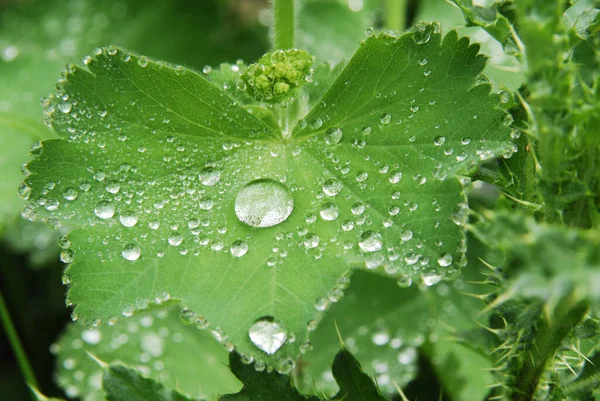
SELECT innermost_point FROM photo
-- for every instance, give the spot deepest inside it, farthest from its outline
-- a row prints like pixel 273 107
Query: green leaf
pixel 332 29
pixel 162 176
pixel 156 343
pixel 271 386
pixel 261 385
pixel 504 71
pixel 35 45
pixel 494 22
pixel 354 383
pixel 121 383
pixel 381 324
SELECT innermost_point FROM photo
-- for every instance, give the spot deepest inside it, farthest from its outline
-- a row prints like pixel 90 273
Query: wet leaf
pixel 156 343
pixel 175 191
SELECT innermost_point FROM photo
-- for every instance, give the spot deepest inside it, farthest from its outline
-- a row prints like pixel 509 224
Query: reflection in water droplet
pixel 332 187
pixel 370 241
pixel 267 335
pixel 333 136
pixel 445 260
pixel 263 203
pixel 329 211
pixel 238 248
pixel 104 210
pixel 131 252
pixel 209 176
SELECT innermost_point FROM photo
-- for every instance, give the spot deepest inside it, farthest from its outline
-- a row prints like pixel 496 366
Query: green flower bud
pixel 272 78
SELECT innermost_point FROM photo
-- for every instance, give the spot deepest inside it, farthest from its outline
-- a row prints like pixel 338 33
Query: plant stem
pixel 15 343
pixel 395 14
pixel 548 339
pixel 283 32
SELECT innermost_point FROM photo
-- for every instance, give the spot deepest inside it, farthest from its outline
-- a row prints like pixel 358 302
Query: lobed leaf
pixel 162 177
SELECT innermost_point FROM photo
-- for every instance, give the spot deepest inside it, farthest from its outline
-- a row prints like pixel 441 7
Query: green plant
pixel 274 203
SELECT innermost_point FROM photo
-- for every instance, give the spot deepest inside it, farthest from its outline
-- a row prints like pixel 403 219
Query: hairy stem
pixel 283 31
pixel 395 14
pixel 13 338
pixel 548 338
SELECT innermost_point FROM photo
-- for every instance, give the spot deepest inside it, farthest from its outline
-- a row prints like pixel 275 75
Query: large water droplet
pixel 370 241
pixel 267 335
pixel 263 203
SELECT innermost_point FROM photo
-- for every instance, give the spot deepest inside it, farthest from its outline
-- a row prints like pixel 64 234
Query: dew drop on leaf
pixel 263 203
pixel 370 241
pixel 332 187
pixel 333 136
pixel 238 248
pixel 104 210
pixel 267 335
pixel 385 118
pixel 128 219
pixel 131 252
pixel 445 260
pixel 329 211
pixel 209 176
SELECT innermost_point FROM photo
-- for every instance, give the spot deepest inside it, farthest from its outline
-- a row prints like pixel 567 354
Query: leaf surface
pixel 121 383
pixel 156 343
pixel 163 178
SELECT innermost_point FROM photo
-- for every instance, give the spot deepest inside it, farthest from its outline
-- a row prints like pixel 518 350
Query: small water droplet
pixel 311 241
pixel 263 203
pixel 175 239
pixel 333 136
pixel 385 118
pixel 70 194
pixel 128 219
pixel 332 187
pixel 445 260
pixel 267 335
pixel 370 241
pixel 65 107
pixel 131 252
pixel 209 176
pixel 143 61
pixel 329 211
pixel 238 248
pixel 104 210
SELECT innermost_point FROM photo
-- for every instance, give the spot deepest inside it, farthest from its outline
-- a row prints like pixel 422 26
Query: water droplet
pixel 175 239
pixel 209 176
pixel 406 235
pixel 143 61
pixel 131 252
pixel 362 176
pixel 385 118
pixel 333 136
pixel 357 209
pixel 311 241
pixel 65 107
pixel 238 248
pixel 395 176
pixel 104 210
pixel 70 194
pixel 370 241
pixel 370 32
pixel 329 211
pixel 128 219
pixel 263 203
pixel 267 335
pixel 439 140
pixel 445 260
pixel 332 187
pixel 431 279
